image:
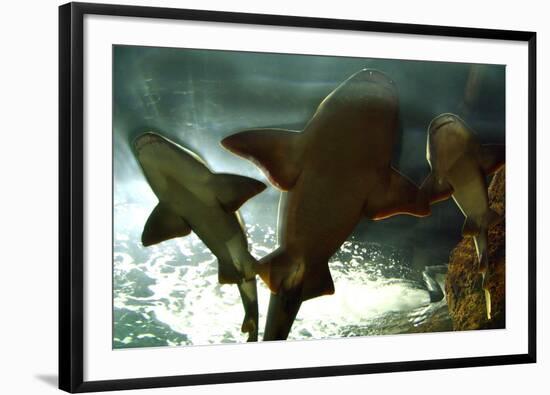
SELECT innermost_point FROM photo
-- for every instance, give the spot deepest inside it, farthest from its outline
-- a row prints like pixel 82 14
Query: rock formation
pixel 466 301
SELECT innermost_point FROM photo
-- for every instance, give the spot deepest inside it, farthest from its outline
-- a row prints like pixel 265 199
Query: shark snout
pixel 375 76
pixel 145 139
pixel 441 120
pixel 371 83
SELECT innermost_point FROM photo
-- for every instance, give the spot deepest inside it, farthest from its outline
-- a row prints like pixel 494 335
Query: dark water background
pixel 168 294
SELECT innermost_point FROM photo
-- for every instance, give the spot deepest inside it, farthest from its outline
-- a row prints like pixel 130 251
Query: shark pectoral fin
pixel 401 196
pixel 275 151
pixel 163 224
pixel 435 191
pixel 233 190
pixel 491 157
pixel 470 228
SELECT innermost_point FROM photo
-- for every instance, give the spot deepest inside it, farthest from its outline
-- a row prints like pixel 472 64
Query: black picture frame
pixel 71 195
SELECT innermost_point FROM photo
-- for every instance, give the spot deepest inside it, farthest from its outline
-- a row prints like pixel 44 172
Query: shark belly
pixel 223 234
pixel 469 189
pixel 322 210
pixel 219 230
pixel 329 196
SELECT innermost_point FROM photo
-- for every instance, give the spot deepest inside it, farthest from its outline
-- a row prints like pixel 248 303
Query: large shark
pixel 459 168
pixel 336 171
pixel 193 198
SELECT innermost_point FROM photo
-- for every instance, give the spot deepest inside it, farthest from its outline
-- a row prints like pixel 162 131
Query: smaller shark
pixel 431 276
pixel 193 198
pixel 459 168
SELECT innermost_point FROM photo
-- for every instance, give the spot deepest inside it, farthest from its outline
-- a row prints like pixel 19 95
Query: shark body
pixel 459 168
pixel 334 173
pixel 193 198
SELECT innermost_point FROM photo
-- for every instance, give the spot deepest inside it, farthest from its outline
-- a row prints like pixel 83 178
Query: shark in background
pixel 193 198
pixel 334 173
pixel 459 168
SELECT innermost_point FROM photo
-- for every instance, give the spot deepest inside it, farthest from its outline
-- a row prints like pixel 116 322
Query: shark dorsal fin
pixel 491 157
pixel 275 151
pixel 233 190
pixel 163 225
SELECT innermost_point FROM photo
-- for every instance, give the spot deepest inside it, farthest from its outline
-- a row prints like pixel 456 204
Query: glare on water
pixel 168 294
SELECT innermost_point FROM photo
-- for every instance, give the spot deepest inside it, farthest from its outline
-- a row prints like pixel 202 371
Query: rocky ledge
pixel 466 303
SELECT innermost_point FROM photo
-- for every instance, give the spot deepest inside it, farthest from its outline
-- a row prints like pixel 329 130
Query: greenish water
pixel 168 295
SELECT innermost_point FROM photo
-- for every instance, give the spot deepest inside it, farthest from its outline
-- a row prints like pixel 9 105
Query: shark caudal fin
pixel 163 225
pixel 233 190
pixel 281 313
pixel 249 297
pixel 481 242
pixel 229 274
pixel 399 196
pixel 275 151
pixel 479 232
pixel 491 157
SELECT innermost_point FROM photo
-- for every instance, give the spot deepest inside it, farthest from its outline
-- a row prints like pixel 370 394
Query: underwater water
pixel 168 294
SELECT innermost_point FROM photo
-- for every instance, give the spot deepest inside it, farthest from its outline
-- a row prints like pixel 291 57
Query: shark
pixel 431 276
pixel 333 173
pixel 194 198
pixel 459 168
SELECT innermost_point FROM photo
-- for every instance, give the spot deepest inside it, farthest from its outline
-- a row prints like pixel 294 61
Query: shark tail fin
pixel 281 273
pixel 249 297
pixel 275 151
pixel 491 157
pixel 233 190
pixel 163 225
